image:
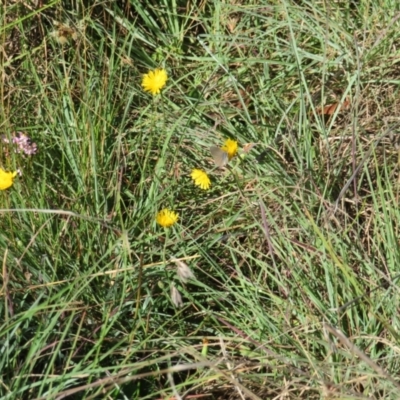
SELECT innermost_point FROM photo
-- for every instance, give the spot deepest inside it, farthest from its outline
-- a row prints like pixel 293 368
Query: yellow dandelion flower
pixel 231 147
pixel 166 218
pixel 201 179
pixel 6 179
pixel 154 81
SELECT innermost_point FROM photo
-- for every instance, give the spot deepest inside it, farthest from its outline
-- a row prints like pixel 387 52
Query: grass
pixel 294 248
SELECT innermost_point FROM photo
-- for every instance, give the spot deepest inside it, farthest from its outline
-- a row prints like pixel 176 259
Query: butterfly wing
pixel 220 156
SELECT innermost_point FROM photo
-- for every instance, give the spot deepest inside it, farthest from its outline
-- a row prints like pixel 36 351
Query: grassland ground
pixel 274 273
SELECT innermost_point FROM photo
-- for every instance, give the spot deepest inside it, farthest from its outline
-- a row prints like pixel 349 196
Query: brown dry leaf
pixel 330 109
pixel 248 146
pixel 231 24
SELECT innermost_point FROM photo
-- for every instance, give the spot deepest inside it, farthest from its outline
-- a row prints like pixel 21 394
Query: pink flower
pixel 22 143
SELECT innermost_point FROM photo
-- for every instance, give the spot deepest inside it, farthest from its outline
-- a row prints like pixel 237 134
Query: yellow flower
pixel 6 179
pixel 231 147
pixel 201 179
pixel 166 218
pixel 154 81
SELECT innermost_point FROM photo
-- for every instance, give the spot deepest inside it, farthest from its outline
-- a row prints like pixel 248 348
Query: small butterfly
pixel 220 156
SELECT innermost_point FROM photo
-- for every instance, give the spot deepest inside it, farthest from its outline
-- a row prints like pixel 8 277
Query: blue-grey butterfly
pixel 220 156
